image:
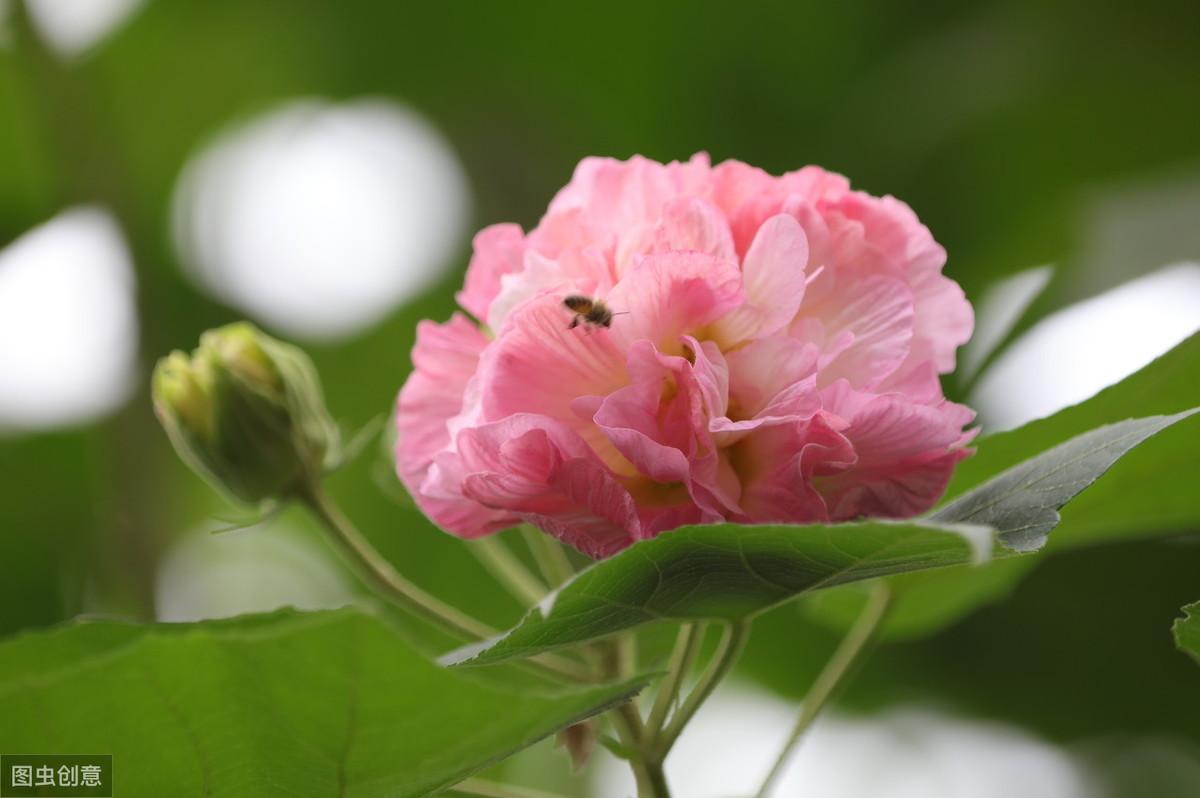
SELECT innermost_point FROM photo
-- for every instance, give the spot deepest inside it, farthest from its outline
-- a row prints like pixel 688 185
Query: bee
pixel 591 312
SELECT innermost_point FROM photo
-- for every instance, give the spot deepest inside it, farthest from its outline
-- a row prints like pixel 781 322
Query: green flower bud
pixel 245 411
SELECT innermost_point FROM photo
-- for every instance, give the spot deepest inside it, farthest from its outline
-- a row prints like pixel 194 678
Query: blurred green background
pixel 1022 133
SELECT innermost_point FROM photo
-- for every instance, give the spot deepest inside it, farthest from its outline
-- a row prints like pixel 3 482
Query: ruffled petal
pixel 773 281
pixel 864 328
pixel 906 452
pixel 669 295
pixel 540 471
pixel 444 359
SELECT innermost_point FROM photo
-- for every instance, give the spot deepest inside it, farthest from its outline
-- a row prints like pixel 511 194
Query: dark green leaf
pixel 1022 503
pixel 1147 493
pixel 1187 630
pixel 727 571
pixel 287 704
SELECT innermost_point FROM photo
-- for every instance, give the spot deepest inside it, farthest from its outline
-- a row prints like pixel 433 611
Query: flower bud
pixel 246 412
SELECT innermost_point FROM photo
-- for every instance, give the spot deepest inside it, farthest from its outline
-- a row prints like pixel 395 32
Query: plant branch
pixel 728 650
pixel 833 675
pixel 508 569
pixel 380 574
pixel 388 582
pixel 686 645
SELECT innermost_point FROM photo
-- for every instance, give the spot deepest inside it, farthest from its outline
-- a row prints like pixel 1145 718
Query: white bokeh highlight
pixel 1070 355
pixel 729 747
pixel 319 218
pixel 71 27
pixel 205 575
pixel 68 322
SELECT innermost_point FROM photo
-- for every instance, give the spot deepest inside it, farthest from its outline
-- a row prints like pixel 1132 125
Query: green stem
pixel 833 675
pixel 549 555
pixel 647 771
pixel 728 650
pixel 490 789
pixel 686 645
pixel 379 573
pixel 508 569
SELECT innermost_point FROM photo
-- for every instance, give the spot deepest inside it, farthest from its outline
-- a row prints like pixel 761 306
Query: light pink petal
pixel 763 368
pixel 668 295
pixel 444 360
pixel 498 250
pixel 773 281
pixel 863 326
pixel 540 275
pixel 539 365
pixel 694 225
pixel 944 321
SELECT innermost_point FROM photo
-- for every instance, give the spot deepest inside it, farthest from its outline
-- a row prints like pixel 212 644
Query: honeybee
pixel 591 312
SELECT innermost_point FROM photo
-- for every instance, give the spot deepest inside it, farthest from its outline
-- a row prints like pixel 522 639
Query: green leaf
pixel 728 571
pixel 1022 503
pixel 1187 630
pixel 285 704
pixel 1145 495
pixel 723 571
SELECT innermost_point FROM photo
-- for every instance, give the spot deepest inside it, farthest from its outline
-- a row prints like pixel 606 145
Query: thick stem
pixel 728 650
pixel 651 780
pixel 508 570
pixel 833 676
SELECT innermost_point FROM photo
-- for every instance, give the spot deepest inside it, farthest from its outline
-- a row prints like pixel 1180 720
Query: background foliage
pixel 1016 131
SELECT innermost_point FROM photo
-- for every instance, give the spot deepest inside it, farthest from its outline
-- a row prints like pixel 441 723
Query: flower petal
pixel 863 326
pixel 671 294
pixel 444 359
pixel 773 279
pixel 539 470
pixel 498 250
pixel 906 453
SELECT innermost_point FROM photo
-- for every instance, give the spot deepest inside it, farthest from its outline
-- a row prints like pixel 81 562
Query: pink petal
pixel 542 472
pixel 672 294
pixel 777 463
pixel 659 423
pixel 773 280
pixel 864 327
pixel 498 250
pixel 539 365
pixel 906 453
pixel 694 225
pixel 763 368
pixel 444 359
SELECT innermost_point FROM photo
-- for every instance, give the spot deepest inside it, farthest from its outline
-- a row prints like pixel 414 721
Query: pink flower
pixel 776 360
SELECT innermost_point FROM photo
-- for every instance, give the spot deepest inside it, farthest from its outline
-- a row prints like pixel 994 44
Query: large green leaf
pixel 330 703
pixel 1187 630
pixel 727 571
